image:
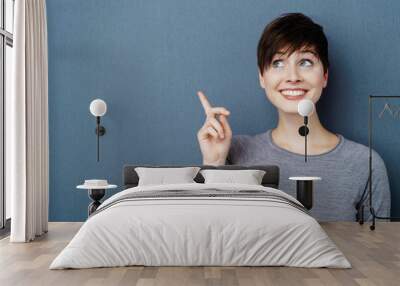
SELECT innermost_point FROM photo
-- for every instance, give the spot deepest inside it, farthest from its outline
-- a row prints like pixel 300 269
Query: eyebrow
pixel 302 52
pixel 309 51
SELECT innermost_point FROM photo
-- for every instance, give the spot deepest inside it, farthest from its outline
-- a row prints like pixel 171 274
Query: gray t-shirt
pixel 344 173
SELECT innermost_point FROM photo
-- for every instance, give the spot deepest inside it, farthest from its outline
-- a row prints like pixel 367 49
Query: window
pixel 6 56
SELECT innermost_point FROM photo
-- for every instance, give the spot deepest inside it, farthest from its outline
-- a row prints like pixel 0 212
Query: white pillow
pixel 161 176
pixel 249 177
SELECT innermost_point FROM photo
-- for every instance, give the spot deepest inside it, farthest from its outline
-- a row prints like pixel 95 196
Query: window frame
pixel 6 38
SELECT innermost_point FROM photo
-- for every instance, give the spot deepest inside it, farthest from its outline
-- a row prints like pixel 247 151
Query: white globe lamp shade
pixel 305 107
pixel 98 107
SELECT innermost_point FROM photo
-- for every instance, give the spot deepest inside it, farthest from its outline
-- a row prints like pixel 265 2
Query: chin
pixel 285 105
pixel 289 111
pixel 288 106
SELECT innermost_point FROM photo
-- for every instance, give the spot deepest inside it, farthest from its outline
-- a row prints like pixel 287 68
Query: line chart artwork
pixel 391 110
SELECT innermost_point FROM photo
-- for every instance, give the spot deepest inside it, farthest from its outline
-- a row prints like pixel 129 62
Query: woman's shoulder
pixel 245 148
pixel 359 151
pixel 245 140
pixel 349 144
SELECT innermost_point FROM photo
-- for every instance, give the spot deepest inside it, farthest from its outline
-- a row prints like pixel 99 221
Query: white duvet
pixel 200 231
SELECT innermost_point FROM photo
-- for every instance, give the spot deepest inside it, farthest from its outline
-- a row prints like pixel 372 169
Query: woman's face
pixel 289 79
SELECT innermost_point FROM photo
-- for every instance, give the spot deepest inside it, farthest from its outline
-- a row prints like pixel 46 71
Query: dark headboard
pixel 130 178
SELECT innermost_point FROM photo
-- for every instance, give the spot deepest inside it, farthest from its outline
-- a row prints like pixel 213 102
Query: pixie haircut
pixel 289 33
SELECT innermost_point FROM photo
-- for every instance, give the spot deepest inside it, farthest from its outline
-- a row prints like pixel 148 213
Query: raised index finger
pixel 204 101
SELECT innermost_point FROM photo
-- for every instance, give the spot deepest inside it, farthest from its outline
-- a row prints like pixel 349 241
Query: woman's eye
pixel 306 63
pixel 277 63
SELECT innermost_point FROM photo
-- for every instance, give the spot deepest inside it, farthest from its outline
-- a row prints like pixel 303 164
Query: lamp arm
pixel 305 138
pixel 98 136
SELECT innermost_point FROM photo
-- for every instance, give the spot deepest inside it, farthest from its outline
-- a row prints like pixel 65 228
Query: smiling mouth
pixel 294 94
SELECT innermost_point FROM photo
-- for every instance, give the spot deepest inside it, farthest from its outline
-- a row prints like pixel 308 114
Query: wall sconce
pixel 98 108
pixel 305 108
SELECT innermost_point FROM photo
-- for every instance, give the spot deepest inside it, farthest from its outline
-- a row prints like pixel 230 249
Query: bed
pixel 198 224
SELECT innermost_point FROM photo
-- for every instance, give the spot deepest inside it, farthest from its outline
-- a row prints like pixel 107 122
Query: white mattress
pixel 200 231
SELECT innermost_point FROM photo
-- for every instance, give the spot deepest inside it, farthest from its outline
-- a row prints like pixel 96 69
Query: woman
pixel 293 65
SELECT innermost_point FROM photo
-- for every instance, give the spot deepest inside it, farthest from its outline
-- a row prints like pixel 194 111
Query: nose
pixel 293 74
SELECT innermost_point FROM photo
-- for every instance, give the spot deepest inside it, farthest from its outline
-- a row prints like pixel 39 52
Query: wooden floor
pixel 375 257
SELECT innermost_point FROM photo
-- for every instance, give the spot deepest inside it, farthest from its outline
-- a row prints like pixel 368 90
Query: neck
pixel 286 134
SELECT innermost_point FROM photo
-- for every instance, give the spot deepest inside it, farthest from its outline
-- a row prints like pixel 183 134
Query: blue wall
pixel 147 59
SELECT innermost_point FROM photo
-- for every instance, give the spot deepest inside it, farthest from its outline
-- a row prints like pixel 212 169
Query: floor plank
pixel 374 255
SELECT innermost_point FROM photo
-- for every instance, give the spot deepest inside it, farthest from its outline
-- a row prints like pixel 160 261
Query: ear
pixel 326 78
pixel 261 79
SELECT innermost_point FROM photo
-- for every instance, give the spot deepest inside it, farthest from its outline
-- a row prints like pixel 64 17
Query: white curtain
pixel 27 123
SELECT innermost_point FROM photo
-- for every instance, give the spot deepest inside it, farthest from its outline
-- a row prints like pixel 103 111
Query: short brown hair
pixel 291 31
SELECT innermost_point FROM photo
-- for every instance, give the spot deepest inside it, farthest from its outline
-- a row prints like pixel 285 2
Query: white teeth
pixel 293 92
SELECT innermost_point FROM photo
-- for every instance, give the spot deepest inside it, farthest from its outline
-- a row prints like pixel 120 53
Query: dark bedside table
pixel 96 193
pixel 304 190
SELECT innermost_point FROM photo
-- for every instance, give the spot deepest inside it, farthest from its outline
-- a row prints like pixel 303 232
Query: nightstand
pixel 304 190
pixel 96 193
